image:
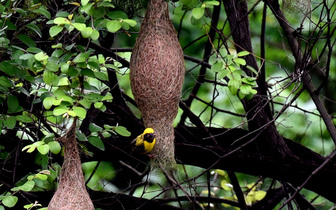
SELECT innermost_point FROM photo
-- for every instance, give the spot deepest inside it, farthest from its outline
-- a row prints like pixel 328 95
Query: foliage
pixel 61 60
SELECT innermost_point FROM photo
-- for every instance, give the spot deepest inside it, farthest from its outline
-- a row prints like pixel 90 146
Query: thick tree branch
pixel 257 109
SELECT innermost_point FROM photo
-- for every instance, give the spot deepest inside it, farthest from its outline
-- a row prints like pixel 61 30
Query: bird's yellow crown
pixel 146 140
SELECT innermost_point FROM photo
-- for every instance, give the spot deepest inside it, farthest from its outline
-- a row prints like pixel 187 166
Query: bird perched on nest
pixel 145 142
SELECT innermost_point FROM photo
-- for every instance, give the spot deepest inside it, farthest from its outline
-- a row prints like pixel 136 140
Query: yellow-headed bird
pixel 145 142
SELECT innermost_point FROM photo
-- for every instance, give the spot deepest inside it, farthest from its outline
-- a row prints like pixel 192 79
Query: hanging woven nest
pixel 71 191
pixel 157 74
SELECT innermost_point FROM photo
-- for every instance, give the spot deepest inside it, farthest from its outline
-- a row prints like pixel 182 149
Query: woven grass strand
pixel 71 191
pixel 157 74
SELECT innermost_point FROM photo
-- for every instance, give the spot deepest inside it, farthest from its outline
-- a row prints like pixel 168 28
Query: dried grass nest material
pixel 71 191
pixel 157 74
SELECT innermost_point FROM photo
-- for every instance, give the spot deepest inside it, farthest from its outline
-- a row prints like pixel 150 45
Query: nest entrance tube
pixel 157 74
pixel 71 191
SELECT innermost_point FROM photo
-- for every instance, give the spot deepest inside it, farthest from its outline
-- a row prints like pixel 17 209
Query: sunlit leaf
pixel 28 186
pixel 43 149
pixel 216 67
pixel 54 30
pixel 121 130
pixel 79 26
pixel 54 147
pixel 87 32
pixel 80 111
pixel 113 26
pixel 81 57
pixel 10 201
pixel 50 78
pixel 197 12
pixel 60 110
pixel 243 53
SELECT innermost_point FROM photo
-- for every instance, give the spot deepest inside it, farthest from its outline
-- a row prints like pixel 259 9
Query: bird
pixel 145 142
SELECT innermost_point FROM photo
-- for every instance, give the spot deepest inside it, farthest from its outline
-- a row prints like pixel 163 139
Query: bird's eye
pixel 149 137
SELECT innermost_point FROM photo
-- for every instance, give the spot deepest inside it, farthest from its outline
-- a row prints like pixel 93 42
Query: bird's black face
pixel 149 137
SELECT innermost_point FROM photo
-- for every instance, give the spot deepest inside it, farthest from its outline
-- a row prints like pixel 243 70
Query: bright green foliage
pixel 197 8
pixel 63 78
pixel 229 67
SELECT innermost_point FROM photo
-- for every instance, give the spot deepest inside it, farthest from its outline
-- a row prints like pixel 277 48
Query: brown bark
pixel 257 109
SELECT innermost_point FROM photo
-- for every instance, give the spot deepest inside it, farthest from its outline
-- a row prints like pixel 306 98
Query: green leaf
pixel 85 102
pixel 94 128
pixel 198 12
pixel 65 67
pixel 211 3
pixel 80 111
pixel 121 130
pixel 43 12
pixel 81 57
pixel 105 4
pixel 64 81
pixel 113 26
pixel 41 176
pixel 30 148
pixel 51 66
pixel 61 21
pixel 13 104
pixel 10 201
pixel 72 113
pixel 252 70
pixel 79 26
pixel 87 32
pixel 87 9
pixel 117 14
pixel 60 110
pixel 50 78
pixel 243 53
pixel 54 30
pixel 80 136
pixel 98 105
pixel 10 122
pixel 43 149
pixel 41 56
pixel 48 102
pixel 95 34
pixel 27 40
pixel 97 142
pixel 130 22
pixel 26 56
pixel 217 67
pixel 88 72
pixel 84 2
pixel 233 86
pixel 54 147
pixel 59 45
pixel 245 89
pixel 35 28
pixel 249 80
pixel 5 82
pixel 240 61
pixel 27 187
pixel 259 195
pixel 24 118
